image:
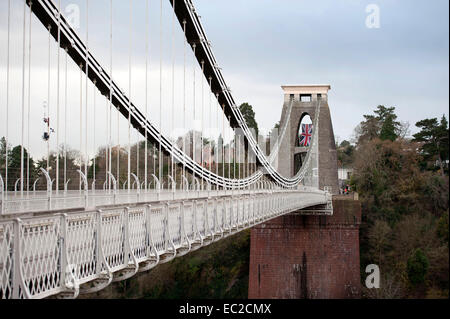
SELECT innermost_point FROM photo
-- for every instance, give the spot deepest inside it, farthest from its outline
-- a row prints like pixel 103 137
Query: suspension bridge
pixel 107 208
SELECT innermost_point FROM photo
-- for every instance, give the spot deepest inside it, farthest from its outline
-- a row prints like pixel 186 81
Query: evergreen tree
pixel 417 267
pixel 434 138
pixel 4 153
pixel 249 116
pixel 382 125
pixel 15 166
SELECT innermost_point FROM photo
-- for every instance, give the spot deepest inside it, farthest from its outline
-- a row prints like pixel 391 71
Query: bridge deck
pixel 83 251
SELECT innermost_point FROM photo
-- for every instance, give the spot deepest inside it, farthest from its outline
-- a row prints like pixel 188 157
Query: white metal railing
pixel 80 252
pixel 38 201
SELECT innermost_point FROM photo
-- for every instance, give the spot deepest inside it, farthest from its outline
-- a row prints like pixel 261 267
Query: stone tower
pixel 306 99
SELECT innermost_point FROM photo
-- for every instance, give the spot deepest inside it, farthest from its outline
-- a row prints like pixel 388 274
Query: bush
pixel 417 267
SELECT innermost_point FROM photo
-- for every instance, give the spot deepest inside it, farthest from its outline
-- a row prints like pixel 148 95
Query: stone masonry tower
pixel 306 99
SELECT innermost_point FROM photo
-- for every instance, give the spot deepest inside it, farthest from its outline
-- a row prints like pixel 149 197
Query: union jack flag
pixel 306 135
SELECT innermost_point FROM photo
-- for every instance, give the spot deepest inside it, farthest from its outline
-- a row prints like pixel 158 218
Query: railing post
pixel 86 187
pixel 126 235
pixel 65 186
pixel 194 219
pixel 98 242
pixel 174 186
pixel 224 215
pixel 166 228
pixel 157 185
pixel 138 186
pixel 185 184
pixel 215 219
pixel 49 188
pixel 34 185
pixel 238 204
pixel 148 228
pixel 183 228
pixel 15 186
pixel 16 277
pixel 93 186
pixel 255 209
pixel 63 248
pixel 111 176
pixel 2 195
pixel 197 186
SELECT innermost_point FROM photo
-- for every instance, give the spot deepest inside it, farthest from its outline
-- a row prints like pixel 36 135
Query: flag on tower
pixel 306 135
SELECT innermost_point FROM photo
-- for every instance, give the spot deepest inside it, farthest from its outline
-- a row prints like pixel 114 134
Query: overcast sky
pixel 260 45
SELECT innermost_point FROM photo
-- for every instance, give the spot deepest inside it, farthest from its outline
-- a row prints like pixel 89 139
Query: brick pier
pixel 315 257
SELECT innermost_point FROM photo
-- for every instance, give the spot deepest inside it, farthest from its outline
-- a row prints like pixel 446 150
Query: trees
pixel 417 267
pixel 4 153
pixel 249 116
pixel 434 138
pixel 405 220
pixel 382 125
pixel 15 165
pixel 345 153
pixel 389 127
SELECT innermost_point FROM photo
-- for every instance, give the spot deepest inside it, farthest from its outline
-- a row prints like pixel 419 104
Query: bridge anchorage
pixel 97 213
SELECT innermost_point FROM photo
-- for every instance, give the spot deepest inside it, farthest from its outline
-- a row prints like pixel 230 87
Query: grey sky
pixel 260 45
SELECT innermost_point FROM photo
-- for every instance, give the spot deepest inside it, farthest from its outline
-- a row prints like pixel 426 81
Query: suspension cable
pixel 136 131
pixel 65 119
pixel 198 169
pixel 234 153
pixel 210 122
pixel 146 89
pixel 23 102
pixel 239 156
pixel 48 101
pixel 109 113
pixel 193 131
pixel 81 119
pixel 184 99
pixel 218 135
pixel 29 99
pixel 57 97
pixel 118 147
pixel 160 91
pixel 87 90
pixel 93 133
pixel 129 100
pixel 202 122
pixel 7 99
pixel 173 89
pixel 223 141
pixel 229 152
